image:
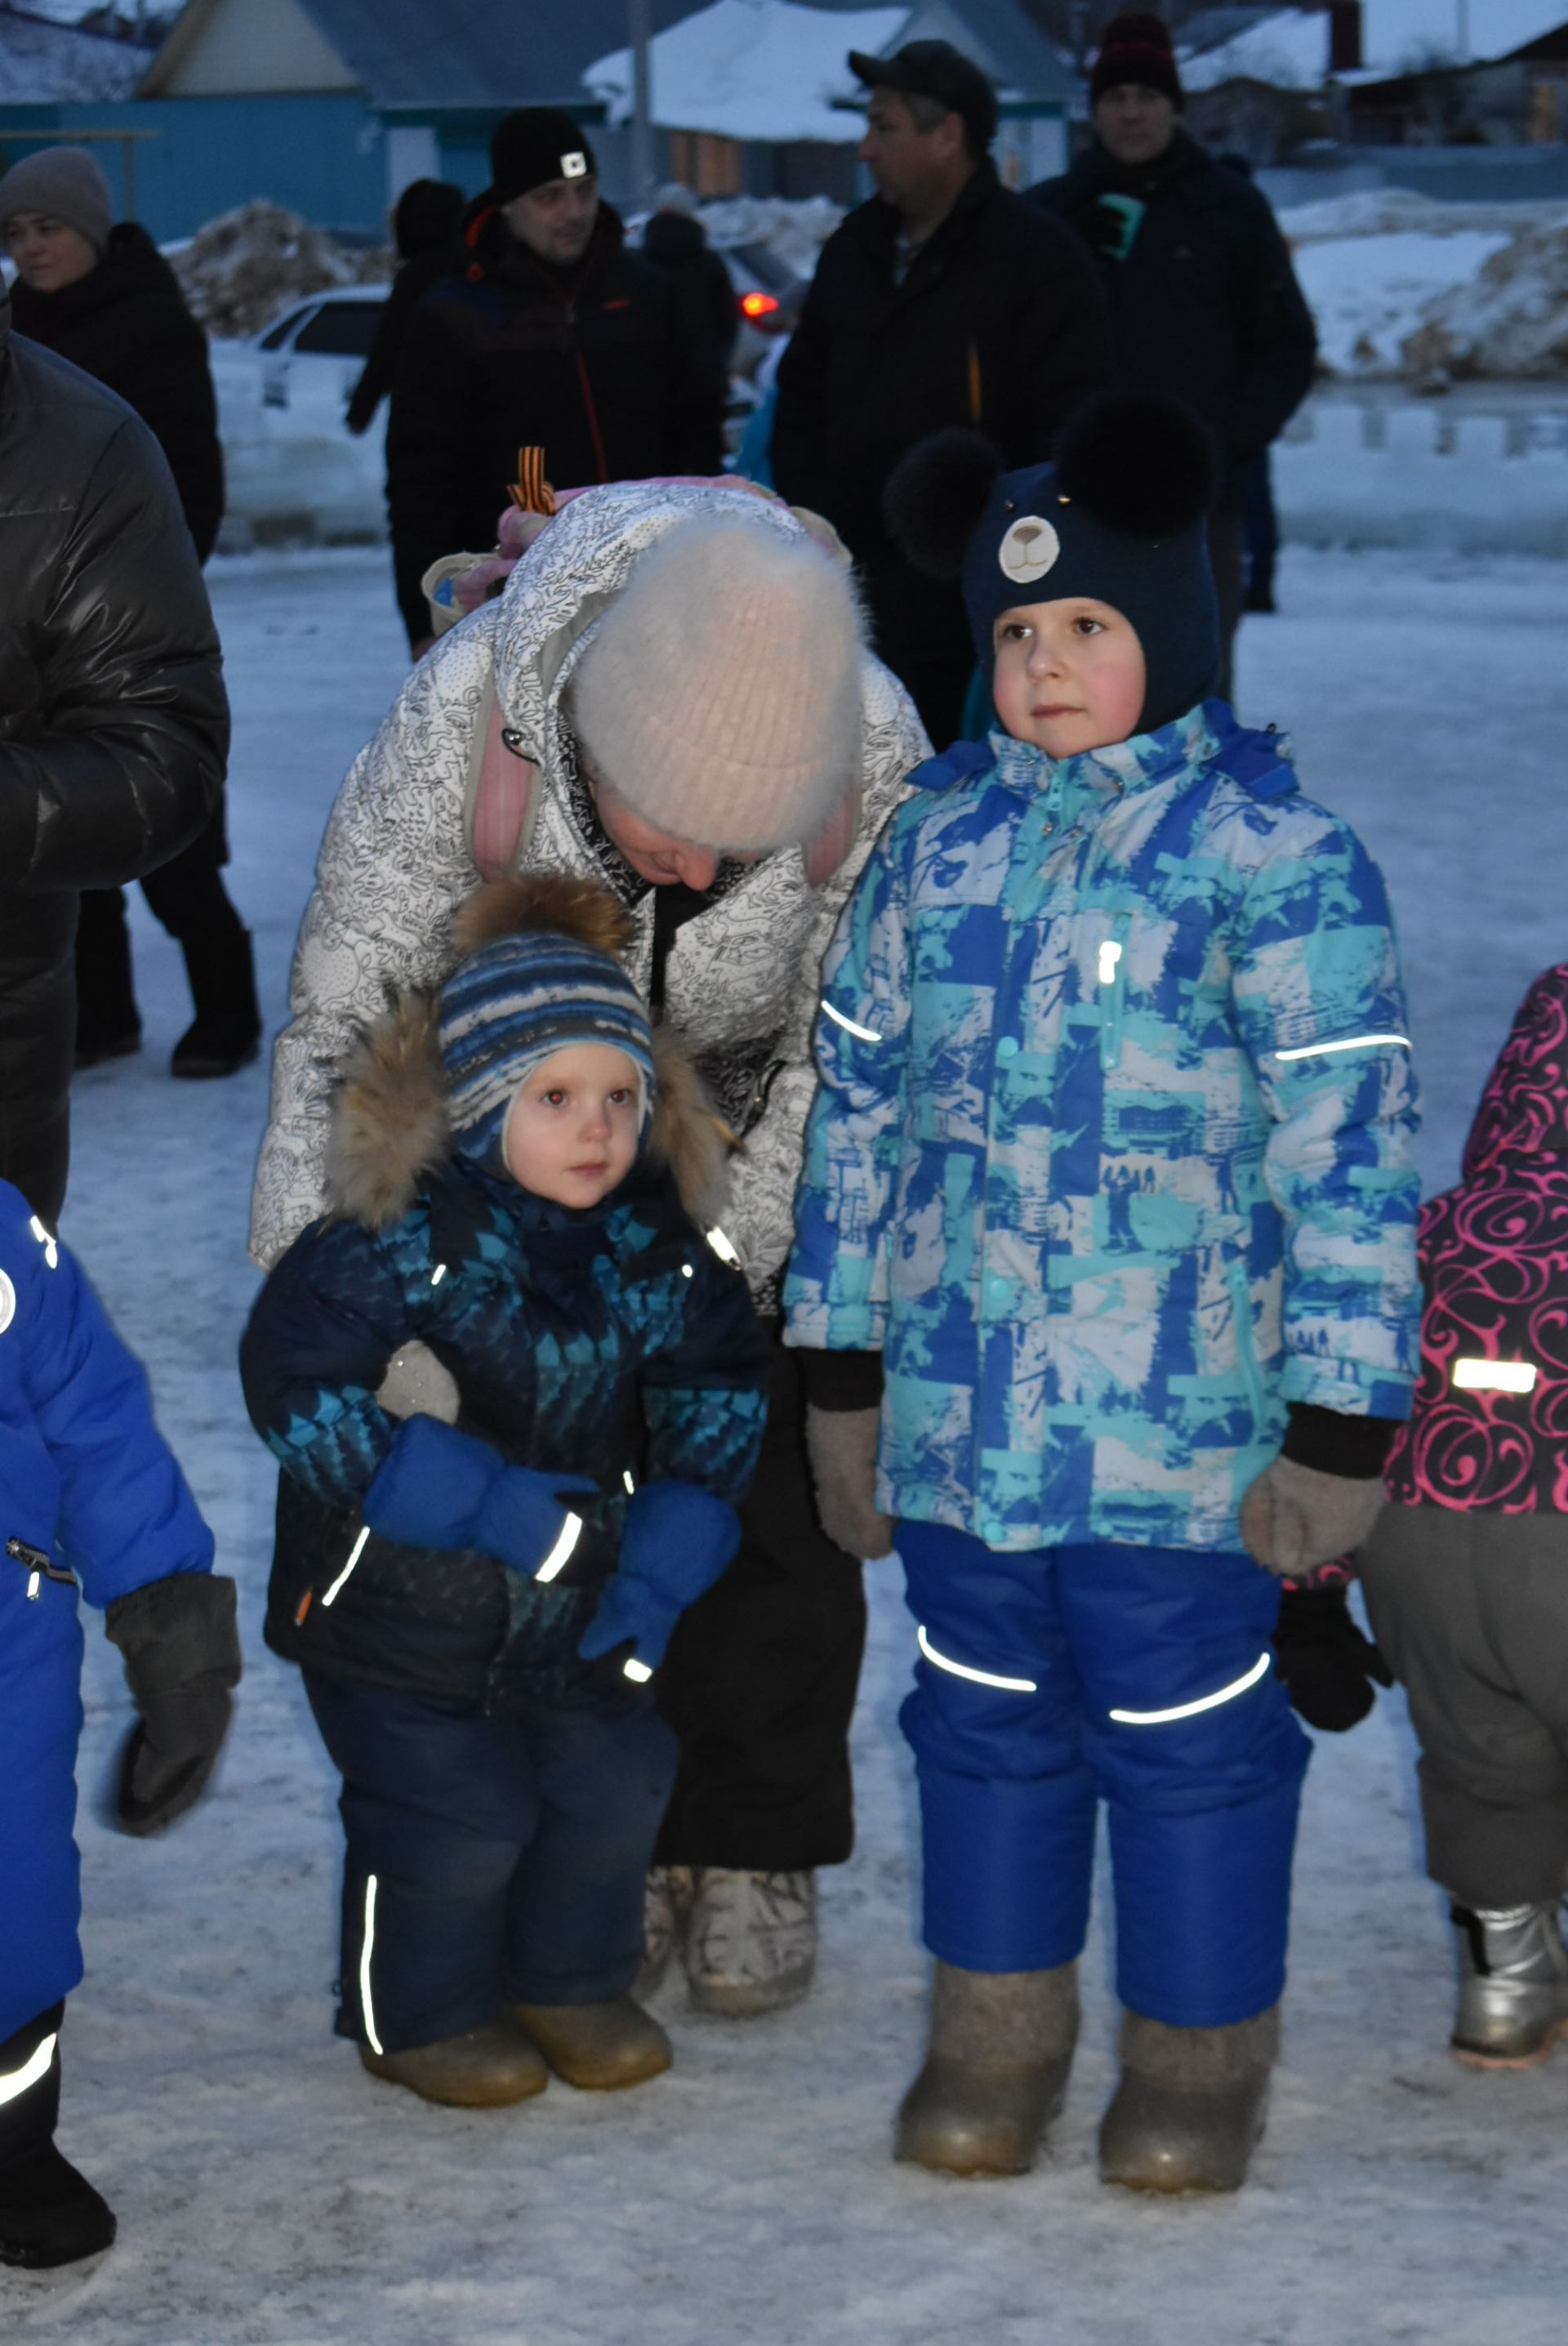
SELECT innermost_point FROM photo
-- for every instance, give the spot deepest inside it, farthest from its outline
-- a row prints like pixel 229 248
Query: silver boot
pixel 1190 2105
pixel 997 2071
pixel 750 1940
pixel 1512 1985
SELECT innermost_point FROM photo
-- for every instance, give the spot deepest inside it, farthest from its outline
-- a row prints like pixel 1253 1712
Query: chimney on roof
pixel 1344 35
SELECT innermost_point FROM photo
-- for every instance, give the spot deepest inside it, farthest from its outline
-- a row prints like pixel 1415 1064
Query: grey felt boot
pixel 1512 1985
pixel 995 2070
pixel 1190 2105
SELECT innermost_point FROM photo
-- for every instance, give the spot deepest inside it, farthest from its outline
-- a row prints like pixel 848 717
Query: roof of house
pixel 482 54
pixel 49 64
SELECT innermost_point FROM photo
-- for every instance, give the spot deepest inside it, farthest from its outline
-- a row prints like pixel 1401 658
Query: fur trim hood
pixel 390 1130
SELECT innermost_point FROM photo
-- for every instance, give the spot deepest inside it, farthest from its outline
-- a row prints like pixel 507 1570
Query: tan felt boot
pixel 481 2069
pixel 1191 2104
pixel 601 2047
pixel 997 2071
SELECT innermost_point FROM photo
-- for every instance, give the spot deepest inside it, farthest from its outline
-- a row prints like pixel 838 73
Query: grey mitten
pixel 418 1384
pixel 841 1444
pixel 181 1650
pixel 1294 1518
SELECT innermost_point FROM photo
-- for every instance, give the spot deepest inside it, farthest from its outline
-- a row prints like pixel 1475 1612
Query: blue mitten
pixel 678 1541
pixel 437 1487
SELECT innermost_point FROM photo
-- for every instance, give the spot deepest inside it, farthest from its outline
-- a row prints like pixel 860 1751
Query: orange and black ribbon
pixel 531 490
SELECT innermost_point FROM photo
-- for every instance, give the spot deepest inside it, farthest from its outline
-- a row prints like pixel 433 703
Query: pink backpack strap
pixel 499 799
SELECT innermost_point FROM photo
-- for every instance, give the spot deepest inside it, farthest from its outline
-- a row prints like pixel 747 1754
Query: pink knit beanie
pixel 721 696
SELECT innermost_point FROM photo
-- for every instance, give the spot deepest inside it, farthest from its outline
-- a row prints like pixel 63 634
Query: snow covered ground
pixel 271 2194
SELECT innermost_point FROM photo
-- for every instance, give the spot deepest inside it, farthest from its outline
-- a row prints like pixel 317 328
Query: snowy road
pixel 269 2191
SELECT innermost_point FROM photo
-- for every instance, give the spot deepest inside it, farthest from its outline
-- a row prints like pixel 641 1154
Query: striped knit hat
pixel 548 980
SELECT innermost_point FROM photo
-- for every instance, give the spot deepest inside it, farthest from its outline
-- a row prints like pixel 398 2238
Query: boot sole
pixel 1470 2057
pixel 477 2100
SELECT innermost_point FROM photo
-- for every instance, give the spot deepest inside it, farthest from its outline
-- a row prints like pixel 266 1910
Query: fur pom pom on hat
pixel 720 699
pixel 1119 517
pixel 541 974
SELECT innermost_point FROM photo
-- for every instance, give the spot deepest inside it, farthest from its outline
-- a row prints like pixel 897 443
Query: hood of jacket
pixel 1523 1109
pixel 390 1135
pixel 671 239
pixel 132 270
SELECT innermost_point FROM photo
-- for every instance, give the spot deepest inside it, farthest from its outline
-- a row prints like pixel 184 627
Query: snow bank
pixel 1401 285
pixel 1424 474
pixel 242 268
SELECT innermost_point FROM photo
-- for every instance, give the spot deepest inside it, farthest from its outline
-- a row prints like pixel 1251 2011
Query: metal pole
pixel 1463 7
pixel 642 122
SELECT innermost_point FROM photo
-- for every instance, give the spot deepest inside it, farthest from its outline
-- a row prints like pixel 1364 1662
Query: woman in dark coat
pixel 104 297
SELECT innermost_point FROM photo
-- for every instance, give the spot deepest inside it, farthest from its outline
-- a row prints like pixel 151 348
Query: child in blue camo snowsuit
pixel 1110 1164
pixel 91 1499
pixel 515 1394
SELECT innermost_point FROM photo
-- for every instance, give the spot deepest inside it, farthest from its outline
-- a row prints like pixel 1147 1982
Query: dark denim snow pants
pixel 490 1860
pixel 1143 1676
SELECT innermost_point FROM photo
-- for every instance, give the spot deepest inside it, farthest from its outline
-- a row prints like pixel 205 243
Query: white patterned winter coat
pixel 742 979
pixel 1111 1157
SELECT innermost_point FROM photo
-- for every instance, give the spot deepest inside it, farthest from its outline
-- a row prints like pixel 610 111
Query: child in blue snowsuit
pixel 91 1498
pixel 515 1393
pixel 1109 1164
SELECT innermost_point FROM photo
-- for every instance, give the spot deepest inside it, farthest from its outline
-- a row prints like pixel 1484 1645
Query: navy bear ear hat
pixel 1120 514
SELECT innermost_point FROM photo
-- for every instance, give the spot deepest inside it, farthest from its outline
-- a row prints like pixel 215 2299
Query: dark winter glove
pixel 439 1488
pixel 1325 1664
pixel 1294 1518
pixel 841 1444
pixel 678 1541
pixel 181 1654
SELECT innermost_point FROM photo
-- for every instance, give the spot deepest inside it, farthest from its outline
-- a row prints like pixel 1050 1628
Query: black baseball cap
pixel 933 69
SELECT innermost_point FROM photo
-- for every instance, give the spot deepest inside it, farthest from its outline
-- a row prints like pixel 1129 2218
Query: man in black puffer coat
pixel 939 302
pixel 114 727
pixel 1204 300
pixel 676 243
pixel 104 297
pixel 549 334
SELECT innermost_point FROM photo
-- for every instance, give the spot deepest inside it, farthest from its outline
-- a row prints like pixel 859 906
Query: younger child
pixel 91 1498
pixel 1109 1162
pixel 1466 1575
pixel 515 1394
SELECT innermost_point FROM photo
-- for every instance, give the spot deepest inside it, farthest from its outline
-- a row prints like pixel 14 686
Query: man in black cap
pixel 1204 302
pixel 937 302
pixel 548 333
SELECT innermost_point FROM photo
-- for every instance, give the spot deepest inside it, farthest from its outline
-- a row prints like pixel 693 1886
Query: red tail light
pixel 757 305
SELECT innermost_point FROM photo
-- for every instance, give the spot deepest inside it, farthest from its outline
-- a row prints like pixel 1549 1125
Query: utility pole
pixel 642 109
pixel 1463 7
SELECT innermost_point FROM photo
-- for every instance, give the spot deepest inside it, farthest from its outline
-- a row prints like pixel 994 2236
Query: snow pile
pixel 242 268
pixel 763 69
pixel 796 231
pixel 1511 321
pixel 1403 286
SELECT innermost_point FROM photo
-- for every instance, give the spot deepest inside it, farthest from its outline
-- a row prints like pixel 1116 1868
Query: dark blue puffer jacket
pixel 615 1343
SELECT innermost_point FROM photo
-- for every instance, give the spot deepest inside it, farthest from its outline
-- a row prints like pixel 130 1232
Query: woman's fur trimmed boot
pixel 995 2072
pixel 1190 2105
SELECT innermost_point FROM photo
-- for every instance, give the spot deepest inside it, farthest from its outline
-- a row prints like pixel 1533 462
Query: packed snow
pixel 271 2194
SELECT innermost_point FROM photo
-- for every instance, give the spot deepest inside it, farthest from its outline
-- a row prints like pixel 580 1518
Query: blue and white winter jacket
pixel 1111 1153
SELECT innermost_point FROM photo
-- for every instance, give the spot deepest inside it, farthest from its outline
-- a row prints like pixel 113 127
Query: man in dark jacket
pixel 939 302
pixel 1203 297
pixel 550 336
pixel 676 243
pixel 114 727
pixel 425 221
pixel 104 297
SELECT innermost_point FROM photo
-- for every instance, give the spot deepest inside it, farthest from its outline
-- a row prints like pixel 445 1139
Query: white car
pixel 293 465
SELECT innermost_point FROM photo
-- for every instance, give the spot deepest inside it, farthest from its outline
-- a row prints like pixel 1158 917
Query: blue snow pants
pixel 491 1859
pixel 40 1722
pixel 1052 1679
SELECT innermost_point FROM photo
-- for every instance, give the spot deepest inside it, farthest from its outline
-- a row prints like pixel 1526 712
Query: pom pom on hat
pixel 935 496
pixel 719 697
pixel 1138 463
